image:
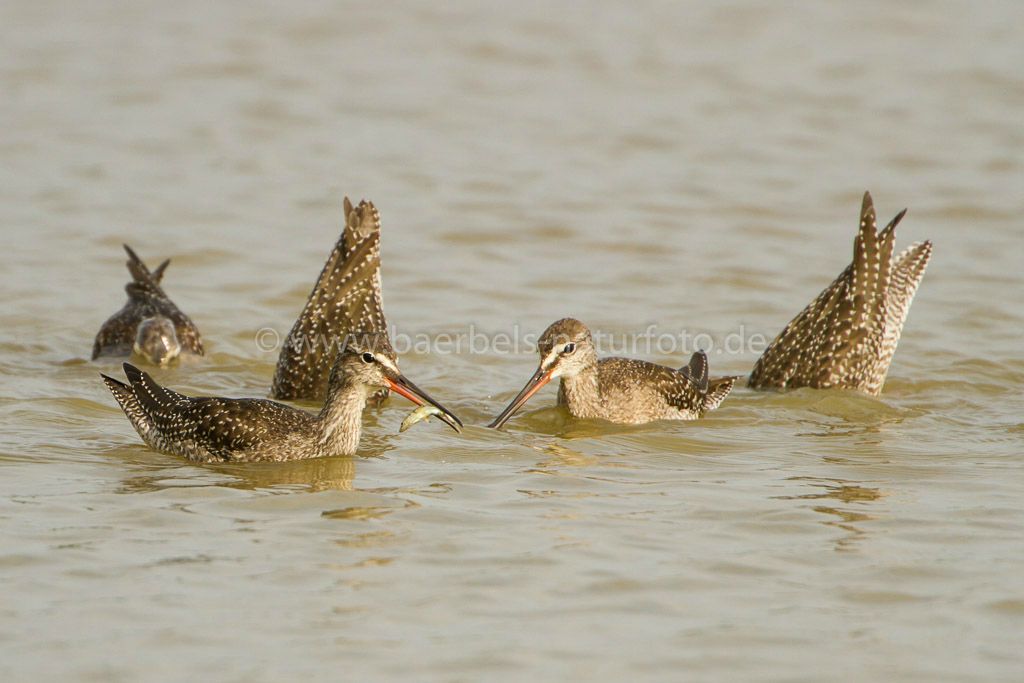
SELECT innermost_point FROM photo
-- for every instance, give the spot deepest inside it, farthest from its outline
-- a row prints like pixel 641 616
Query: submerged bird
pixel 156 340
pixel 345 298
pixel 243 430
pixel 617 389
pixel 149 323
pixel 847 336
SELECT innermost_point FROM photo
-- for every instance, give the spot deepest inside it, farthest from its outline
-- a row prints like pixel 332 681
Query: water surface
pixel 694 166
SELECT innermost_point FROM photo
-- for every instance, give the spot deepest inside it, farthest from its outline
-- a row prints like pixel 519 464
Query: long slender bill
pixel 539 379
pixel 403 387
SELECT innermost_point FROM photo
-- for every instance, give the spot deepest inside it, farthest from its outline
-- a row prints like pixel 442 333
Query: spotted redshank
pixel 149 323
pixel 345 298
pixel 847 336
pixel 242 430
pixel 617 389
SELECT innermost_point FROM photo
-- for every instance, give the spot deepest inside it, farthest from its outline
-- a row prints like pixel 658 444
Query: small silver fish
pixel 418 415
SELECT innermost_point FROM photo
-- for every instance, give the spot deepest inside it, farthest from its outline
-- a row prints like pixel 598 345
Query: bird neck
pixel 341 418
pixel 581 392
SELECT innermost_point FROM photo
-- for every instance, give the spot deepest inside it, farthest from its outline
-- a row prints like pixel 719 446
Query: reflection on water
pixel 319 474
pixel 361 512
pixel 558 455
pixel 847 493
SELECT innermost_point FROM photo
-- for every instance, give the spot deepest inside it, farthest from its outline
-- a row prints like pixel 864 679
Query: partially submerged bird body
pixel 241 430
pixel 619 390
pixel 149 323
pixel 629 391
pixel 156 340
pixel 224 429
pixel 346 298
pixel 847 336
pixel 845 339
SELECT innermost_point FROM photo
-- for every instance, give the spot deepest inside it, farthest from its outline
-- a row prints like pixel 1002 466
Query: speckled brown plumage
pixel 630 391
pixel 230 429
pixel 146 299
pixel 220 429
pixel 847 336
pixel 346 297
pixel 620 390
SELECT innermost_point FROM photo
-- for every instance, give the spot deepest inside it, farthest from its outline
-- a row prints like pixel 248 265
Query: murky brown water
pixel 697 166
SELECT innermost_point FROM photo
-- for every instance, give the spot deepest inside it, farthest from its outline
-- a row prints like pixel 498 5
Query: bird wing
pixel 697 370
pixel 676 388
pixel 907 273
pixel 718 389
pixel 220 427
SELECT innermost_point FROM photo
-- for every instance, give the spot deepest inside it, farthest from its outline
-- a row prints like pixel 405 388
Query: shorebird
pixel 149 323
pixel 847 336
pixel 245 430
pixel 617 389
pixel 345 298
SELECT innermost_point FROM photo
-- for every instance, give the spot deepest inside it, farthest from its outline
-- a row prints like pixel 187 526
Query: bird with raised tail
pixel 847 336
pixel 619 390
pixel 345 298
pixel 243 430
pixel 149 324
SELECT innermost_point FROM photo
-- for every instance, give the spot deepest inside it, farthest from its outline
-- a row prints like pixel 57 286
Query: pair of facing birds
pixel 845 339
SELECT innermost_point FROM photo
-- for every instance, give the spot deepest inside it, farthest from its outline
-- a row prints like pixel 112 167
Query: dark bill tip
pixel 403 387
pixel 533 385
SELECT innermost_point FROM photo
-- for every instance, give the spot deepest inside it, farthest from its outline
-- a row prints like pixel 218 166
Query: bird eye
pixel 568 348
pixel 368 357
